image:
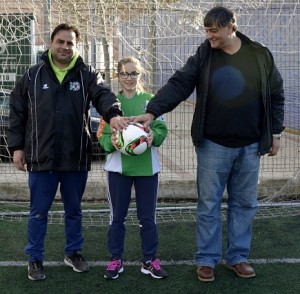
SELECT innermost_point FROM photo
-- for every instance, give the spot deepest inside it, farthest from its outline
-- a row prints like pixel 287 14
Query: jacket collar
pixel 78 64
pixel 243 37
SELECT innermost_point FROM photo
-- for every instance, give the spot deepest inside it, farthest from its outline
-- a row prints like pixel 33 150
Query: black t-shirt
pixel 234 104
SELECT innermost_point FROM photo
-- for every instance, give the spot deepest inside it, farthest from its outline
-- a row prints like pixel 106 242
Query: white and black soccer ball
pixel 133 141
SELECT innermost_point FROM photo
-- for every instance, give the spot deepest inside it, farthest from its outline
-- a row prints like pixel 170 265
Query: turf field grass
pixel 272 239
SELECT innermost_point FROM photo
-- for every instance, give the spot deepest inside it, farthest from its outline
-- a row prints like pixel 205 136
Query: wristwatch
pixel 277 136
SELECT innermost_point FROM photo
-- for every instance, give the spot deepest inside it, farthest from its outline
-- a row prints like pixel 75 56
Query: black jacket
pixel 49 120
pixel 195 73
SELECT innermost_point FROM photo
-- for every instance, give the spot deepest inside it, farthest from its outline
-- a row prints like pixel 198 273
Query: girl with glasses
pixel 140 171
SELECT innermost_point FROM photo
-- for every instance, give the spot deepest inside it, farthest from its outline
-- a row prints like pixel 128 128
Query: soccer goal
pixel 162 34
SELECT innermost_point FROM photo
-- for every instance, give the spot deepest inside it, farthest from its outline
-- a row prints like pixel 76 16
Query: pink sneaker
pixel 153 268
pixel 115 267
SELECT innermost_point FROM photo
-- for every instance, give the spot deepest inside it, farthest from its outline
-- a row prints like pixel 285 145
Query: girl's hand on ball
pixel 150 138
pixel 114 139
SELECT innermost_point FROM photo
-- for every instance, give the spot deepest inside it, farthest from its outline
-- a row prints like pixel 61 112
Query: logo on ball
pixel 133 141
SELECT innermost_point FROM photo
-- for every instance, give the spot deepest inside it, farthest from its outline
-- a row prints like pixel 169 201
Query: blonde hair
pixel 131 59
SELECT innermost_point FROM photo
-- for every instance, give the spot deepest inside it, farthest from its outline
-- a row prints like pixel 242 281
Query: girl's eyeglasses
pixel 125 75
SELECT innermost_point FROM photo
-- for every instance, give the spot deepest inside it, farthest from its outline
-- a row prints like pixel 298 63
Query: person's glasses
pixel 125 75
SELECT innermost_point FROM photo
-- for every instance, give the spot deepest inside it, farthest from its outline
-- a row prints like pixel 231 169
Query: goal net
pixel 162 34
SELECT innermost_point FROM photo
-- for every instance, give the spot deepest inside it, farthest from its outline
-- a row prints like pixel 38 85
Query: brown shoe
pixel 205 273
pixel 243 270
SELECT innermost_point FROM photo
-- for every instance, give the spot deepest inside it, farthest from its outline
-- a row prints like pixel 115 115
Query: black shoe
pixel 77 262
pixel 115 267
pixel 153 268
pixel 36 271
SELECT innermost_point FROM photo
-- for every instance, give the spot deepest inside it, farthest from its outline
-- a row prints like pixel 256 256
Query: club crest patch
pixel 74 86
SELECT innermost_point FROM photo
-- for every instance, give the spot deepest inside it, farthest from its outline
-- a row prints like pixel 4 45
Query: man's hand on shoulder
pixel 118 123
pixel 145 119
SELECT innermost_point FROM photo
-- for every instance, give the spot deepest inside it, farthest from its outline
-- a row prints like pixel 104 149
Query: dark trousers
pixel 119 196
pixel 43 186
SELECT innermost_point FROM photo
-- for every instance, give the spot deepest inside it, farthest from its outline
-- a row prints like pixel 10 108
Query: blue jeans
pixel 238 169
pixel 43 186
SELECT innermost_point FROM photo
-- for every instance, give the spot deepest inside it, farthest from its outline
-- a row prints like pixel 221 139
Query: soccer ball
pixel 133 141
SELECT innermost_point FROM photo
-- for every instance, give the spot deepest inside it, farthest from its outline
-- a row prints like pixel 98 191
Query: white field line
pixel 163 262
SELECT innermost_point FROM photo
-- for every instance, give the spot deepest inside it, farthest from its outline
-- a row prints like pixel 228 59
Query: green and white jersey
pixel 145 164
